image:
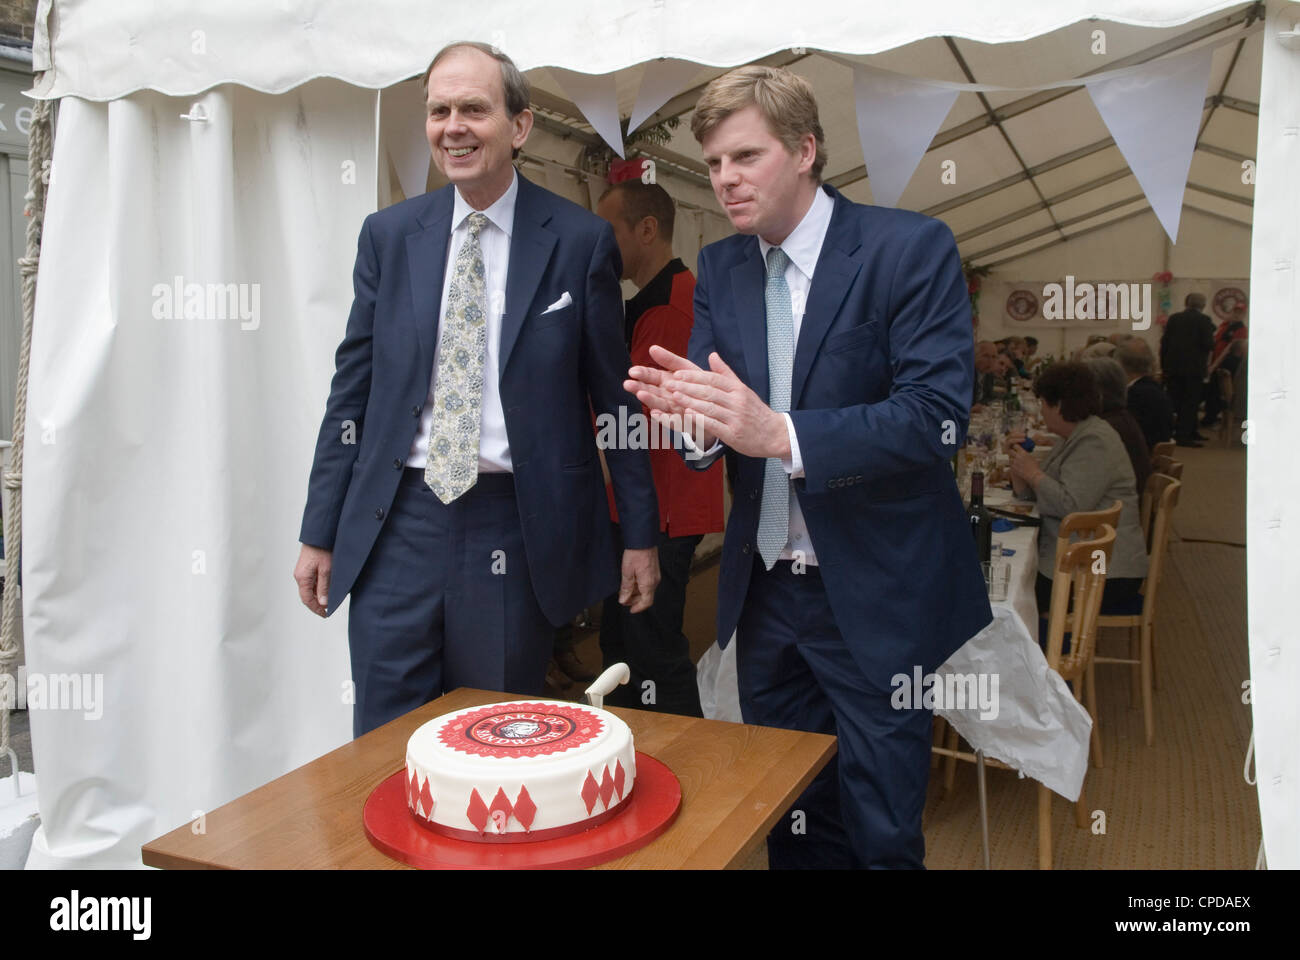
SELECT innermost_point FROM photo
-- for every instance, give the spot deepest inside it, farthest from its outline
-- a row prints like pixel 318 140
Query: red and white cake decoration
pixel 529 770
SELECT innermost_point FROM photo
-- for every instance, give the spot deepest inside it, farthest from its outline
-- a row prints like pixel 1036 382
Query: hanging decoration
pixel 1164 297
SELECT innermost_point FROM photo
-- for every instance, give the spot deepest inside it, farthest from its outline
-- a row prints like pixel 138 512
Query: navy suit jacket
pixel 880 394
pixel 555 369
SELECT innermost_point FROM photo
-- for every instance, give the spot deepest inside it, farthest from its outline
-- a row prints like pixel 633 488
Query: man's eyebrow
pixel 470 101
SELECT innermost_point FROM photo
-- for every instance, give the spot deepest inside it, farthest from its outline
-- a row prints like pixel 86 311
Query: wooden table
pixel 737 782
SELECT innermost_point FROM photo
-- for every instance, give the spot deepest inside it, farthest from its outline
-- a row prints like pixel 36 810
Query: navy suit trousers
pixel 795 671
pixel 445 601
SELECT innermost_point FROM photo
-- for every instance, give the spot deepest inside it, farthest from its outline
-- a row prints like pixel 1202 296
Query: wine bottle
pixel 981 521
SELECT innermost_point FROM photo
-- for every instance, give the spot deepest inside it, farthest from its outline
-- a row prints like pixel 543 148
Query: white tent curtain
pixel 169 450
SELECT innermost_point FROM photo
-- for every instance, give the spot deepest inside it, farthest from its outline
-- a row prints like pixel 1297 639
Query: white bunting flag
pixel 597 98
pixel 662 80
pixel 1154 112
pixel 897 119
pixel 401 124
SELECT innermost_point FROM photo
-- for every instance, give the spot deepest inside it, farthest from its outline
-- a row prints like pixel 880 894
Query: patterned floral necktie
pixel 774 515
pixel 452 467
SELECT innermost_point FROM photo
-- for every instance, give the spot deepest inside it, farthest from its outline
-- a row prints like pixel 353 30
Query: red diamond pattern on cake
pixel 620 778
pixel 500 810
pixel 590 792
pixel 426 798
pixel 525 809
pixel 477 811
pixel 412 791
pixel 606 788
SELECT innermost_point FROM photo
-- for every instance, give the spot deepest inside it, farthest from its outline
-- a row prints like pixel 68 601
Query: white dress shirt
pixel 802 248
pixel 494 241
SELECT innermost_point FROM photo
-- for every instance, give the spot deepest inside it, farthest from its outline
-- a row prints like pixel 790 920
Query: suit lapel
pixel 748 280
pixel 832 278
pixel 531 245
pixel 426 257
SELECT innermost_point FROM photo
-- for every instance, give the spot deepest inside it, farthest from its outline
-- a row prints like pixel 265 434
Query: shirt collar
pixel 501 214
pixel 805 241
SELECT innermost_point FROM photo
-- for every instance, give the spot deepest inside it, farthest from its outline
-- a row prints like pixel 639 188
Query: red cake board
pixel 652 808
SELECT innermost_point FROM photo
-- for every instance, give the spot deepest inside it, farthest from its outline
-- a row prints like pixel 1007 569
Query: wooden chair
pixel 1165 449
pixel 1078 576
pixel 1142 626
pixel 1076 603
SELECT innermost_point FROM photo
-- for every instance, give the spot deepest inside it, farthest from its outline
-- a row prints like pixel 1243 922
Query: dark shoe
pixel 1190 443
pixel 1202 437
pixel 1210 423
pixel 572 667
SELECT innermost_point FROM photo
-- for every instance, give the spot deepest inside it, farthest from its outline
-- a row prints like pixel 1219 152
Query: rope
pixel 39 155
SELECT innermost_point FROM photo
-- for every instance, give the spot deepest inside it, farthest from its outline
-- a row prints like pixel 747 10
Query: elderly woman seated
pixel 1113 387
pixel 1088 471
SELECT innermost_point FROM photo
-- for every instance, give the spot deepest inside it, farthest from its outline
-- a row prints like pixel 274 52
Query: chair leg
pixel 1135 675
pixel 1148 708
pixel 1044 828
pixel 1155 682
pixel 1092 709
pixel 950 763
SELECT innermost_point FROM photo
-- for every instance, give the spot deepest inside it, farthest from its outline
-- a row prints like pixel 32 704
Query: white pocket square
pixel 564 301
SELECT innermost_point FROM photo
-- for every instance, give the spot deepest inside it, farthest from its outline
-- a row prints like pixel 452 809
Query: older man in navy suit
pixel 832 353
pixel 456 491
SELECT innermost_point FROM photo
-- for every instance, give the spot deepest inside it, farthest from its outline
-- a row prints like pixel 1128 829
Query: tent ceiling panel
pixel 1233 130
pixel 981 212
pixel 1244 82
pixel 1071 175
pixel 1218 173
pixel 976 162
pixel 1057 128
pixel 1124 188
pixel 1239 212
pixel 1039 223
pixel 102 50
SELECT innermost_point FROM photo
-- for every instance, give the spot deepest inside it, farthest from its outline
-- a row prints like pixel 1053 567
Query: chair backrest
pixel 1165 493
pixel 1168 466
pixel 1081 570
pixel 1165 449
pixel 1223 382
pixel 1086 525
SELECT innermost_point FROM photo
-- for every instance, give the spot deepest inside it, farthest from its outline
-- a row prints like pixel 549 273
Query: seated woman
pixel 1088 471
pixel 1112 383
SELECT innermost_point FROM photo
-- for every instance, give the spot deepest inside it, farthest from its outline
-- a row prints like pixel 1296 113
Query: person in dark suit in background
pixel 456 491
pixel 832 353
pixel 1184 354
pixel 1147 400
pixel 690 502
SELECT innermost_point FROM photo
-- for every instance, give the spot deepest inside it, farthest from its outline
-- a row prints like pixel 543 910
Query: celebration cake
pixel 529 770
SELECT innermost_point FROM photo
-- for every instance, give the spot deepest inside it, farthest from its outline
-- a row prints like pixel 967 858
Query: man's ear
pixel 523 124
pixel 647 230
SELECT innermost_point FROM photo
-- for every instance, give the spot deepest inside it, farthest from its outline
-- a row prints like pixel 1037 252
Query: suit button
pixel 397 463
pixel 859 478
pixel 753 494
pixel 745 549
pixel 415 410
pixel 379 513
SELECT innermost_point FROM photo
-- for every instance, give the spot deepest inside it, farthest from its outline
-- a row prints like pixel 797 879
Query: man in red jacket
pixel 690 501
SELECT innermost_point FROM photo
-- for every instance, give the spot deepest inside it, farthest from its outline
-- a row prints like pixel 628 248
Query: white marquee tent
pixel 243 142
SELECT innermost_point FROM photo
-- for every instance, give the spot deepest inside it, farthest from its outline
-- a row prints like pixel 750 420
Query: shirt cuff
pixel 794 463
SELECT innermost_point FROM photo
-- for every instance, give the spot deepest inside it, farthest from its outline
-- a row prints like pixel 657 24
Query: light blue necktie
pixel 774 518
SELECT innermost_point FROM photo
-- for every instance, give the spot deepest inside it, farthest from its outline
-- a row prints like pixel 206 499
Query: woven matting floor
pixel 1182 803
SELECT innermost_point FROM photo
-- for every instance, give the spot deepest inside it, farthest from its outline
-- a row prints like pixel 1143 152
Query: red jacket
pixel 662 313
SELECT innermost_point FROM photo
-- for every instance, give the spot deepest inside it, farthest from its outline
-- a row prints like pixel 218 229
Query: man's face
pixel 985 358
pixel 761 185
pixel 470 133
pixel 1004 365
pixel 610 208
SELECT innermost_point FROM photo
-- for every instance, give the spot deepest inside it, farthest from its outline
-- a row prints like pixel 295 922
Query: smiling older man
pixel 456 491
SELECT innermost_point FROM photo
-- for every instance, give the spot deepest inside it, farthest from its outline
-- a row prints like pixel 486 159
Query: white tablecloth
pixel 1032 723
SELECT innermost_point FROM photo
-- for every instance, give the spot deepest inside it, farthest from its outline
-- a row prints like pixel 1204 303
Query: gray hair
pixel 1135 357
pixel 1111 382
pixel 517 92
pixel 1194 301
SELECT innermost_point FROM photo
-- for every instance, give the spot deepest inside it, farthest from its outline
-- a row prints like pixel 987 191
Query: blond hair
pixel 785 100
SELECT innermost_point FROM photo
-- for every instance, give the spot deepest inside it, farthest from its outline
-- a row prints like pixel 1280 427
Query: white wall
pixel 1210 253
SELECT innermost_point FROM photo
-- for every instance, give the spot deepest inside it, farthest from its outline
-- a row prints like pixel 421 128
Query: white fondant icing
pixel 554 780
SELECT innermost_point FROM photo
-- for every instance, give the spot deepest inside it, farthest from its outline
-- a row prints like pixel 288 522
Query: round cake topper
pixel 520 729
